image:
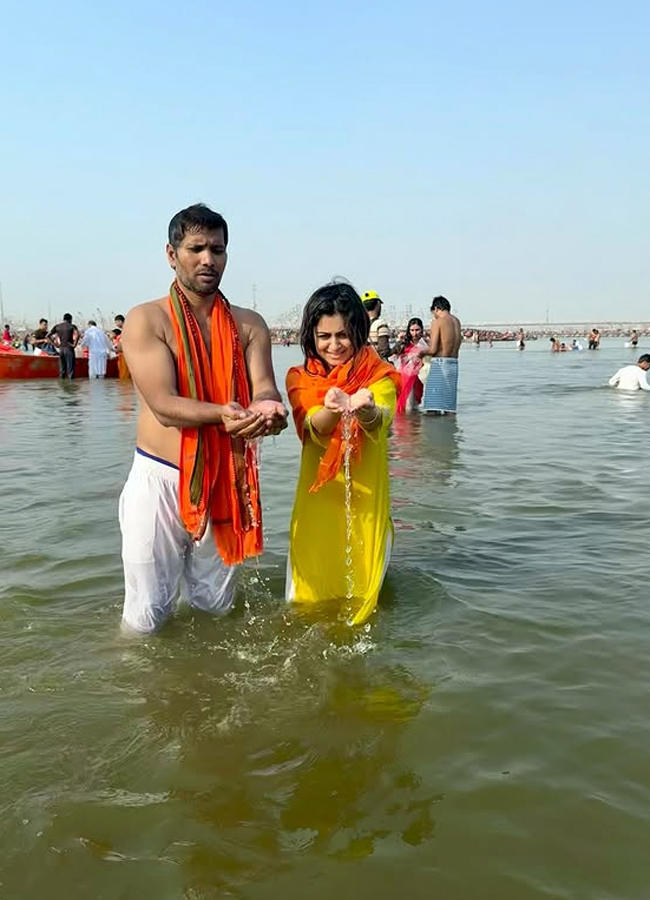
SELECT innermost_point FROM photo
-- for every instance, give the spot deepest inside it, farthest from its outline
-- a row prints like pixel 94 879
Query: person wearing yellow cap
pixel 379 337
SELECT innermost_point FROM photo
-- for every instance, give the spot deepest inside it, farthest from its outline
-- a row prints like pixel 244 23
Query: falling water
pixel 346 433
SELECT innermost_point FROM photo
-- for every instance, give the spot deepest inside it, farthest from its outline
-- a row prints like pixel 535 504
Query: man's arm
pixel 259 362
pixel 434 338
pixel 643 381
pixel 383 341
pixel 614 380
pixel 265 397
pixel 153 372
pixel 75 337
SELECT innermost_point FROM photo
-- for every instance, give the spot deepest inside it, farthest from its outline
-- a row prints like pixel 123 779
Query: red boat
pixel 16 364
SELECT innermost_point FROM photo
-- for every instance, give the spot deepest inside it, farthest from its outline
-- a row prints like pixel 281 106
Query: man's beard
pixel 197 287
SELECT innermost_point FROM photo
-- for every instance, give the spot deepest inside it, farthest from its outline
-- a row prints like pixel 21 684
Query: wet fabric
pixel 317 568
pixel 441 388
pixel 218 474
pixel 161 561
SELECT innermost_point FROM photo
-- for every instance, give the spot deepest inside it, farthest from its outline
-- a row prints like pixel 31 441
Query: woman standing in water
pixel 343 400
pixel 409 363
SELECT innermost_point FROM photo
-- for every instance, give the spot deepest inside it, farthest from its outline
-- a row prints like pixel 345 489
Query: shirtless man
pixel 158 550
pixel 441 388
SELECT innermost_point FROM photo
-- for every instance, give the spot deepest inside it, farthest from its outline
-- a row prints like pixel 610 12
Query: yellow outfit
pixel 317 569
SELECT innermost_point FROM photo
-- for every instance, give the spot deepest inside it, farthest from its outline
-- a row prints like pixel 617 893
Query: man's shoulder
pixel 152 311
pixel 247 316
pixel 249 322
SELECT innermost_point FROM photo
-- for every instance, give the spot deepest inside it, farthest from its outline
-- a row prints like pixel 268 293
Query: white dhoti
pixel 97 364
pixel 161 561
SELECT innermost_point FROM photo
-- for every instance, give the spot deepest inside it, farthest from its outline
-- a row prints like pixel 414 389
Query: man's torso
pixel 157 439
pixel 450 336
pixel 65 332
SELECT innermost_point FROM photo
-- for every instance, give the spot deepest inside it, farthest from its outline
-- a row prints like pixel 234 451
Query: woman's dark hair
pixel 336 298
pixel 408 340
pixel 195 218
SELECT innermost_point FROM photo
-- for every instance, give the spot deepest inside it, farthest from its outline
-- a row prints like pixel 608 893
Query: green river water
pixel 485 736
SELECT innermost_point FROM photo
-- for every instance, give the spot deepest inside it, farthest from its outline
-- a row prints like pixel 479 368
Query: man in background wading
pixel 441 388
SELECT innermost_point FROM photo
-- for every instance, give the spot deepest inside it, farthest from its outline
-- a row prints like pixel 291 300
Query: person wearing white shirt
pixel 632 378
pixel 99 347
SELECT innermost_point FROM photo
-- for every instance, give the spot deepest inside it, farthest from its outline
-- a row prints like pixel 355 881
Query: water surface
pixel 484 736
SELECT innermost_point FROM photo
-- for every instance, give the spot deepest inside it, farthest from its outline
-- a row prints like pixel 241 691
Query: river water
pixel 485 736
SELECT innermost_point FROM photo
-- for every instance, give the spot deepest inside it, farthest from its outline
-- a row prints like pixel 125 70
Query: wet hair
pixel 408 340
pixel 198 217
pixel 92 322
pixel 644 358
pixel 371 305
pixel 336 298
pixel 441 303
pixel 67 317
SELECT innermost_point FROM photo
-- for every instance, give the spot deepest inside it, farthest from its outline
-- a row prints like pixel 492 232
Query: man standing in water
pixel 441 388
pixel 190 510
pixel 68 337
pixel 379 336
pixel 632 378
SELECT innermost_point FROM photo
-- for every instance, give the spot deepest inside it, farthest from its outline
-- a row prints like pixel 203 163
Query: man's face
pixel 199 260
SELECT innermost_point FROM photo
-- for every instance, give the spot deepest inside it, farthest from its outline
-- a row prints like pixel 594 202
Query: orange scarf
pixel 218 474
pixel 307 386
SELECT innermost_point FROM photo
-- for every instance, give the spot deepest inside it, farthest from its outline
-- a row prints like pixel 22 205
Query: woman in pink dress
pixel 409 364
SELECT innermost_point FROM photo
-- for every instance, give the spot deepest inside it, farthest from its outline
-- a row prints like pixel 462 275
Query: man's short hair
pixel 198 217
pixel 644 358
pixel 92 322
pixel 441 303
pixel 67 317
pixel 118 318
pixel 42 321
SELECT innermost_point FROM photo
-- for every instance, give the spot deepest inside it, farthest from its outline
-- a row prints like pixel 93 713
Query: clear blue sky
pixel 493 152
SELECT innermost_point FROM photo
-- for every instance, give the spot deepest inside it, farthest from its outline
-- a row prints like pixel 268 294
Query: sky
pixel 496 153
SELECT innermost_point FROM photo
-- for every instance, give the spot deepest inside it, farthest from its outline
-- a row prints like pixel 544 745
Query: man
pixel 632 378
pixel 67 336
pixel 122 367
pixel 379 336
pixel 40 340
pixel 441 388
pixel 634 338
pixel 593 339
pixel 99 347
pixel 190 509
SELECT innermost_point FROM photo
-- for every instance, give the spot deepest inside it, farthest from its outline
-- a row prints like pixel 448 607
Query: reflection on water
pixel 491 710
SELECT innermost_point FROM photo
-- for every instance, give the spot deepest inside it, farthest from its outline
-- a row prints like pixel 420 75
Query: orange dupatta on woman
pixel 218 474
pixel 307 386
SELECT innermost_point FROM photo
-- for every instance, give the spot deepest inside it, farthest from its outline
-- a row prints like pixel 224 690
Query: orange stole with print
pixel 307 386
pixel 218 473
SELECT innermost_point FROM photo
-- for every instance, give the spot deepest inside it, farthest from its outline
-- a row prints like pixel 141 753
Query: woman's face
pixel 415 332
pixel 333 344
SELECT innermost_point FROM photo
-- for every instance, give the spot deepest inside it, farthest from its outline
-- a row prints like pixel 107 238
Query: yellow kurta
pixel 317 557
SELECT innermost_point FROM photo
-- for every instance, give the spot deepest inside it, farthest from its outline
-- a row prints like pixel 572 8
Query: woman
pixel 409 363
pixel 343 400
